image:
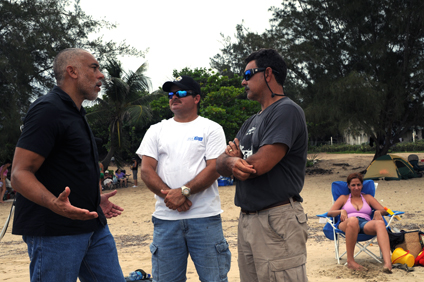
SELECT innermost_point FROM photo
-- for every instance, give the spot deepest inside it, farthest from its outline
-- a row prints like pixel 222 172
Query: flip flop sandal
pixel 144 276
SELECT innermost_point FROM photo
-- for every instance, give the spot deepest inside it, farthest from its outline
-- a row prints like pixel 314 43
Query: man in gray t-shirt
pixel 268 160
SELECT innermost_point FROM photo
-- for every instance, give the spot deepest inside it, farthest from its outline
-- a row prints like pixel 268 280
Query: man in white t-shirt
pixel 179 166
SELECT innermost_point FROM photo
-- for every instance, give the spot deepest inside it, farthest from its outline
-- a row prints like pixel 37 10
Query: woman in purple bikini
pixel 355 218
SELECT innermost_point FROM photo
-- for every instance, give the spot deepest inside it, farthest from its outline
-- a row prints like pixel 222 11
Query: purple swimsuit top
pixel 364 212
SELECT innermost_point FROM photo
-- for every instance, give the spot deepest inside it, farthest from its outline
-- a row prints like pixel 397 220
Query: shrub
pixel 418 146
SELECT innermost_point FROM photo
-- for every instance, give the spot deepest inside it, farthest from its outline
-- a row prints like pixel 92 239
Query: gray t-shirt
pixel 281 122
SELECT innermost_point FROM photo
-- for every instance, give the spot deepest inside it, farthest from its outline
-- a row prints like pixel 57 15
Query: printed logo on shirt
pixel 251 131
pixel 246 153
pixel 195 138
pixel 246 146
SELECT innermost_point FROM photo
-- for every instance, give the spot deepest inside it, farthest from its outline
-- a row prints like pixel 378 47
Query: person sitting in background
pixel 108 182
pixel 355 212
pixel 3 174
pixel 121 178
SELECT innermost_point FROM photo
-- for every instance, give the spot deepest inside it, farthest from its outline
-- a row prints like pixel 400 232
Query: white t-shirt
pixel 181 149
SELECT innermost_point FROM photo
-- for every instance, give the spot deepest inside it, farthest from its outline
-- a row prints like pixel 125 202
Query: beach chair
pixel 413 160
pixel 331 231
pixel 112 184
pixel 127 176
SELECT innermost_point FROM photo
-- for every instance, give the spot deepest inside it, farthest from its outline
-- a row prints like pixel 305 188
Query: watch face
pixel 186 191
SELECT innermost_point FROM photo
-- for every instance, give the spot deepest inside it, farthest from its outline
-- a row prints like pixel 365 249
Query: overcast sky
pixel 179 34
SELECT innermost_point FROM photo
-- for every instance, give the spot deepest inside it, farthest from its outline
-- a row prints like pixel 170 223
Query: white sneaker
pixel 134 186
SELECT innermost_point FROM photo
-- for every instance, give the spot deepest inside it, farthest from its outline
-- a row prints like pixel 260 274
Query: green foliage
pixel 360 62
pixel 227 109
pixel 32 33
pixel 160 109
pixel 10 121
pixel 123 108
pixel 311 160
pixel 417 146
pixel 352 64
pixel 342 148
pixel 223 100
pixel 231 59
pixel 100 128
pixel 209 80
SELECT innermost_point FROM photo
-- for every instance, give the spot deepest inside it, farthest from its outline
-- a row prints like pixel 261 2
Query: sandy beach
pixel 133 229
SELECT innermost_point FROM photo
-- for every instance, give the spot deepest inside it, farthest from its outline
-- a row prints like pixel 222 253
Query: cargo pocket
pixel 300 234
pixel 301 217
pixel 224 259
pixel 153 249
pixel 290 230
pixel 289 269
pixel 155 264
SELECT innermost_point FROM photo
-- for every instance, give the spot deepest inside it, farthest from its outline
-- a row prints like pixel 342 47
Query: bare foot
pixel 355 266
pixel 387 270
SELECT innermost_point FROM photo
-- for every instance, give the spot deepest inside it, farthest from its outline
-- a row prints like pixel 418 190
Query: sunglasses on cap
pixel 249 73
pixel 181 93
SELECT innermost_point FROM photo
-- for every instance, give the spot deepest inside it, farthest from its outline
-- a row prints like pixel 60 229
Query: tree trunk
pixel 108 157
pixel 382 145
pixel 381 151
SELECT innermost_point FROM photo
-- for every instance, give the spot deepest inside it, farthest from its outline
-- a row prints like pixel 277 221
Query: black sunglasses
pixel 249 73
pixel 181 93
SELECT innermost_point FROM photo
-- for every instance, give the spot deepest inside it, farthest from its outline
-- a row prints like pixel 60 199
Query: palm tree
pixel 126 101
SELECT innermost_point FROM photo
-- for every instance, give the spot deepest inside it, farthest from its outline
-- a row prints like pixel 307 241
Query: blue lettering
pixel 195 138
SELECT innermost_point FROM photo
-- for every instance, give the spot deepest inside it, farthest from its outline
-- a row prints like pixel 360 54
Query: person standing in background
pixel 134 169
pixel 102 175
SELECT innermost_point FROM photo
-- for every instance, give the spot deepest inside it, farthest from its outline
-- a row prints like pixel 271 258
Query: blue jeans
pixel 89 256
pixel 202 238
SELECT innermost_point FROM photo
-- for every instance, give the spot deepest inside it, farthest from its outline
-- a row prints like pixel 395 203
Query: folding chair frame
pixel 367 239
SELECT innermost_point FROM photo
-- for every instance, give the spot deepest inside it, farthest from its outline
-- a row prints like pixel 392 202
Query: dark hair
pixel 270 58
pixel 353 176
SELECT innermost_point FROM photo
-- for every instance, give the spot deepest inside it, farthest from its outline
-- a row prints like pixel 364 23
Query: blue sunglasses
pixel 181 93
pixel 249 73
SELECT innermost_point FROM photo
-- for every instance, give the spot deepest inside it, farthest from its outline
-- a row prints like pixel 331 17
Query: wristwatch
pixel 185 191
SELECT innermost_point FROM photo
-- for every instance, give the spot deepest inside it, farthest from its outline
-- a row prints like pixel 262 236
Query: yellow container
pixel 400 256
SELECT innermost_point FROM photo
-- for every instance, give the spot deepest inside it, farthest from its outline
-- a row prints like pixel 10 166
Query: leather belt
pixel 268 207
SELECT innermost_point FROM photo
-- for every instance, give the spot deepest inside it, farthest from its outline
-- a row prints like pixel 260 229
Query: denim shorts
pixel 88 256
pixel 362 222
pixel 202 238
